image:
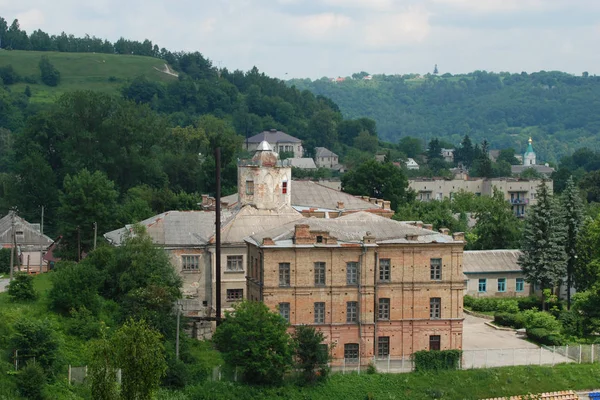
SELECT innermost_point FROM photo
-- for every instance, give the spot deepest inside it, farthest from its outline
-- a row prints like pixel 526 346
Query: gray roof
pixel 352 228
pixel 273 136
pixel 250 221
pixel 488 261
pixel 323 152
pixel 542 169
pixel 30 232
pixel 304 163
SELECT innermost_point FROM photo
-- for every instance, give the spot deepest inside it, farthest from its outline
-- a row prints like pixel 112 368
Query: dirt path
pixel 167 70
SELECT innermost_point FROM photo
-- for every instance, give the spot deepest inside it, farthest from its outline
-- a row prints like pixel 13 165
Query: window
pixel 383 346
pixel 284 311
pixel 384 309
pixel 435 266
pixel 384 270
pixel 319 313
pixel 502 284
pixel 520 285
pixel 319 274
pixel 284 274
pixel 249 187
pixel 434 342
pixel 352 311
pixel 351 352
pixel 482 285
pixel 435 308
pixel 235 263
pixel 235 294
pixel 19 233
pixel 352 273
pixel 319 239
pixel 190 263
pixel 284 187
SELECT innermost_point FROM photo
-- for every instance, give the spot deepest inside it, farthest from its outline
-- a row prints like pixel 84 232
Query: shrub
pixel 572 323
pixel 9 75
pixel 4 261
pixel 31 381
pixel 540 319
pixel 83 324
pixel 35 338
pixel 74 286
pixel 543 336
pixel 508 306
pixel 21 288
pixel 516 320
pixel 50 75
pixel 468 301
pixel 436 360
pixel 527 303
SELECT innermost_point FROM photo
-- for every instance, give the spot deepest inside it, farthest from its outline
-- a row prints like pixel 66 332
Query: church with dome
pixel 529 162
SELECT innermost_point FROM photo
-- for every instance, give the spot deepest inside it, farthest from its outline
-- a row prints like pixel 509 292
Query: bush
pixel 515 320
pixel 489 304
pixel 9 75
pixel 21 288
pixel 540 319
pixel 527 303
pixel 543 336
pixel 436 360
pixel 50 75
pixel 35 338
pixel 31 381
pixel 4 261
pixel 83 324
pixel 508 306
pixel 74 286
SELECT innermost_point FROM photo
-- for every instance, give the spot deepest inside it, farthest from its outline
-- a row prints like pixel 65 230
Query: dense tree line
pixel 557 109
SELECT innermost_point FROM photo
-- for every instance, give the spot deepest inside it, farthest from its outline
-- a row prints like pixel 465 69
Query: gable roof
pixel 249 221
pixel 487 261
pixel 273 136
pixel 324 152
pixel 305 163
pixel 542 169
pixel 31 232
pixel 352 228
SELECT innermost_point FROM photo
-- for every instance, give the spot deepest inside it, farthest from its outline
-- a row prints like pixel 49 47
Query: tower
pixel 529 156
pixel 263 182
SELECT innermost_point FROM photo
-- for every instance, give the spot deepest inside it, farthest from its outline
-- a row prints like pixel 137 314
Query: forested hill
pixel 560 111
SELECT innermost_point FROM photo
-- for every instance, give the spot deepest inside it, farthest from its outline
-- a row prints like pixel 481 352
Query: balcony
pixel 519 201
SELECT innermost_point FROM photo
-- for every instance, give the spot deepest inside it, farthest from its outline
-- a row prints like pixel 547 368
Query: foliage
pixel 573 216
pixel 255 339
pixel 102 371
pixel 139 352
pixel 380 180
pixel 508 306
pixel 50 75
pixel 436 360
pixel 31 381
pixel 35 338
pixel 587 305
pixel 514 320
pixel 74 287
pixel 83 324
pixel 311 353
pixel 497 227
pixel 543 257
pixel 21 288
pixel 543 336
pixel 489 304
pixel 541 319
pixel 586 269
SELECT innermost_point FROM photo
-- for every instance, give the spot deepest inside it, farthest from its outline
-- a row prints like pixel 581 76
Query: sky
pixel 317 38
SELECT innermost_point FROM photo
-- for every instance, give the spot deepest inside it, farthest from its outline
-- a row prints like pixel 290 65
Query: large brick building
pixel 372 285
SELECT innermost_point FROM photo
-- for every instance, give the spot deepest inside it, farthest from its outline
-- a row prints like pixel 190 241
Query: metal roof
pixel 273 136
pixel 28 234
pixel 264 146
pixel 250 221
pixel 324 152
pixel 488 261
pixel 352 228
pixel 304 163
pixel 542 169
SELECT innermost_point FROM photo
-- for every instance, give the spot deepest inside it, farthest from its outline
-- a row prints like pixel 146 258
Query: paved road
pixel 485 346
pixel 3 284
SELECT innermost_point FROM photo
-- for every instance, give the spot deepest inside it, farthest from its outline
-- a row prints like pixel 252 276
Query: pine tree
pixel 573 216
pixel 543 257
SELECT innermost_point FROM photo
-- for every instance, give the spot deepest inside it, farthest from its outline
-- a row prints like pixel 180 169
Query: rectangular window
pixel 319 313
pixel 351 352
pixel 434 342
pixel 235 263
pixel 319 274
pixel 384 309
pixel 284 311
pixel 190 263
pixel 435 266
pixel 435 308
pixel 249 187
pixel 520 285
pixel 235 294
pixel 383 346
pixel 384 270
pixel 352 311
pixel 284 274
pixel 482 286
pixel 502 284
pixel 352 273
pixel 284 187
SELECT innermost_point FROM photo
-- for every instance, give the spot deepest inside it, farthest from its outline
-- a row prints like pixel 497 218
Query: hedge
pixel 543 336
pixel 516 321
pixel 436 360
pixel 489 304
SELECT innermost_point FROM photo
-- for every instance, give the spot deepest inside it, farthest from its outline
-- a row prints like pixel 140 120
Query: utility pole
pixel 42 240
pixel 78 244
pixel 177 337
pixel 95 233
pixel 218 234
pixel 12 244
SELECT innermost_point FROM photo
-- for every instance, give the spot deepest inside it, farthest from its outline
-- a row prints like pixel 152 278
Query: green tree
pixel 573 217
pixel 4 261
pixel 465 153
pixel 311 353
pixel 380 180
pixel 86 198
pixel 482 165
pixel 434 150
pixel 255 339
pixel 412 147
pixel 586 271
pixel 50 75
pixel 140 354
pixel 543 257
pixel 74 286
pixel 36 338
pixel 21 288
pixel 497 227
pixel 31 381
pixel 102 369
pixel 366 142
pixel 508 155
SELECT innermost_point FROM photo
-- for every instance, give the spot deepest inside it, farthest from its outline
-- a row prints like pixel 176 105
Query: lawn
pixel 81 71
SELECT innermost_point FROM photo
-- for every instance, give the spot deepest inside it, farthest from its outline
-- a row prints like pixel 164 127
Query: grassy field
pixel 81 71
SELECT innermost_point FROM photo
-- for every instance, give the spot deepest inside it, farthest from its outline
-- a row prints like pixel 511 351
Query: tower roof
pixel 529 147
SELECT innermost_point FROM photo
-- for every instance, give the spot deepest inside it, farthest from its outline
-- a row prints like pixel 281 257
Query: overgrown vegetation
pixel 425 360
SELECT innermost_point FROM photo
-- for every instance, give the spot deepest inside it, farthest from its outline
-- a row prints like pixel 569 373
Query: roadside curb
pixel 478 315
pixel 499 328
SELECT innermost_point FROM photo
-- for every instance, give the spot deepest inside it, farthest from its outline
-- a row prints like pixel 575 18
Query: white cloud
pixel 389 30
pixel 31 20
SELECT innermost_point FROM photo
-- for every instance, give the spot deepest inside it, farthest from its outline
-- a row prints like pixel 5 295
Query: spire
pixel 529 156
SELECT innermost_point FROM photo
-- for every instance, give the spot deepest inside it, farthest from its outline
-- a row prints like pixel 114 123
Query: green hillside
pixel 81 71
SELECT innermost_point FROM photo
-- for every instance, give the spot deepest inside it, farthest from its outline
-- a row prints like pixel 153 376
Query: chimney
pixel 419 224
pixel 387 205
pixel 340 205
pixel 458 236
pixel 302 234
pixel 273 130
pixel 268 242
pixel 373 200
pixel 412 237
pixel 428 226
pixel 368 238
pixel 444 231
pixel 204 200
